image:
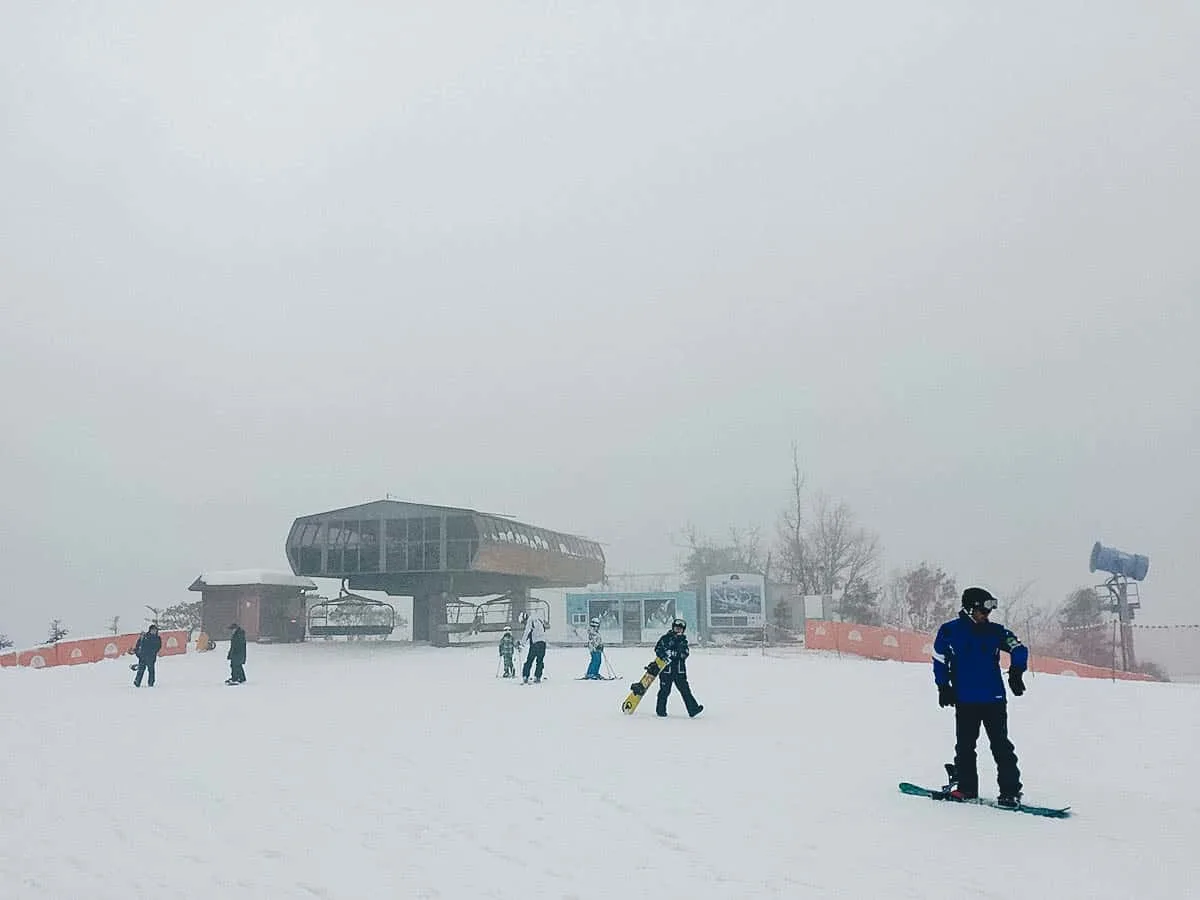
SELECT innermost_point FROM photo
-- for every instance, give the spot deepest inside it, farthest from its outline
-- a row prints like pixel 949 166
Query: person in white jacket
pixel 535 636
pixel 596 646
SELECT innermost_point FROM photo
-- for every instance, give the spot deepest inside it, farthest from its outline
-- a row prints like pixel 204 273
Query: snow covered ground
pixel 355 771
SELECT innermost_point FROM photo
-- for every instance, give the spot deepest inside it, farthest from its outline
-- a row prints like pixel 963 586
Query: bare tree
pixel 921 598
pixel 182 616
pixel 796 565
pixel 843 552
pixel 114 627
pixel 58 631
pixel 826 552
pixel 1034 623
pixel 860 603
pixel 1084 636
pixel 741 553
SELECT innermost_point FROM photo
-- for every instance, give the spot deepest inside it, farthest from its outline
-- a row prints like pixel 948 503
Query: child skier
pixel 507 646
pixel 596 646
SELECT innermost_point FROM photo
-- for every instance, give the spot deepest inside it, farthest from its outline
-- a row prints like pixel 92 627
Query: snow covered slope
pixel 356 771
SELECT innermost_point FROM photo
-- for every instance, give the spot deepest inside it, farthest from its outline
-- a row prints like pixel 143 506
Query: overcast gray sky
pixel 598 266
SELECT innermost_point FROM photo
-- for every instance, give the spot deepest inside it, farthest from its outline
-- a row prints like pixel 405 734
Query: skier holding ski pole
pixel 535 637
pixel 595 644
pixel 507 646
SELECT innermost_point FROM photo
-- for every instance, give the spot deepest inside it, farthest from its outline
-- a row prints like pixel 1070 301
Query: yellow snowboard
pixel 638 688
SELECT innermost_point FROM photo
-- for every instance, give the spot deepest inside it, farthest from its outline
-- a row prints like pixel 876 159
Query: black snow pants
pixel 144 667
pixel 537 650
pixel 679 679
pixel 994 719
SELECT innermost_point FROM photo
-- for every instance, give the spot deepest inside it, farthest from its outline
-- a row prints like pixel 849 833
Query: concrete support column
pixel 520 603
pixel 420 618
pixel 438 635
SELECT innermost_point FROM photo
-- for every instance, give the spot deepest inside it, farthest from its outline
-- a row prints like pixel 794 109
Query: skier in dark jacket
pixel 237 655
pixel 673 647
pixel 146 649
pixel 966 669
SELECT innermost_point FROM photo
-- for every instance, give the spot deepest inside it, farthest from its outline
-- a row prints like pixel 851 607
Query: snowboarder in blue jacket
pixel 966 669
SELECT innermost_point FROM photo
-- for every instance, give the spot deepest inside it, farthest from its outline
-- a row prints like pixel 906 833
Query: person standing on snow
pixel 596 646
pixel 147 649
pixel 507 646
pixel 673 647
pixel 237 655
pixel 535 636
pixel 966 669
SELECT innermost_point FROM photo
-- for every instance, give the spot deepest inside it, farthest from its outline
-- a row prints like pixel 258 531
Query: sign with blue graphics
pixel 737 600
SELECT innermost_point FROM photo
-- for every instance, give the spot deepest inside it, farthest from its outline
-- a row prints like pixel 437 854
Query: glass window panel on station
pixel 460 528
pixel 396 536
pixel 309 556
pixel 368 551
pixel 433 556
pixel 416 558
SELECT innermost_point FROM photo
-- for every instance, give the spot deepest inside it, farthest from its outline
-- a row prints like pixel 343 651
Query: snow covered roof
pixel 251 576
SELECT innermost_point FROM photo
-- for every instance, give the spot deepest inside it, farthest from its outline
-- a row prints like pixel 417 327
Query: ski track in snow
pixel 350 771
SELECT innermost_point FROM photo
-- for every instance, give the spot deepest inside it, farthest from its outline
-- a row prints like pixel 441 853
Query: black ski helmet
pixel 595 623
pixel 679 623
pixel 977 598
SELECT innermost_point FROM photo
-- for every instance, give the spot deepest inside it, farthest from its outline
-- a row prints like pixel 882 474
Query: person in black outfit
pixel 146 649
pixel 673 647
pixel 237 655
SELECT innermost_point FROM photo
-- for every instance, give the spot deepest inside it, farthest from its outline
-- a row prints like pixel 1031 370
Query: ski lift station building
pixel 438 554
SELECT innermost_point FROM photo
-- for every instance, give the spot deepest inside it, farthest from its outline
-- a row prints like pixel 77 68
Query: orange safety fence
pixel 901 645
pixel 90 650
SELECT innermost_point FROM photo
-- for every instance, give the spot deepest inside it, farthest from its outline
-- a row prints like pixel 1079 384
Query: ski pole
pixel 611 671
pixel 499 662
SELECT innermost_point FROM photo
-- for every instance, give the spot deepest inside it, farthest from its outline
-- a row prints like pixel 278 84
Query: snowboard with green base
pixel 943 793
pixel 638 689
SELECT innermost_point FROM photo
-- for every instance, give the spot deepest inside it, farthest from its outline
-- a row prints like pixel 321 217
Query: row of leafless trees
pixel 820 547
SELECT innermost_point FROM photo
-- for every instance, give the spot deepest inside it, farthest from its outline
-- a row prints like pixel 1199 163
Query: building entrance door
pixel 631 621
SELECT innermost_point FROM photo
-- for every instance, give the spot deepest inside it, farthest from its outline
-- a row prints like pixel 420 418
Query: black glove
pixel 1015 682
pixel 947 696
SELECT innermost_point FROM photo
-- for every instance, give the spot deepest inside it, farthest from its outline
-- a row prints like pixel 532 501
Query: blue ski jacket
pixel 967 655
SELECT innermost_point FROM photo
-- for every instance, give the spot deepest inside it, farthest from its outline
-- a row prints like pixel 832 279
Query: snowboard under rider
pixel 535 637
pixel 596 647
pixel 966 669
pixel 507 646
pixel 673 647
